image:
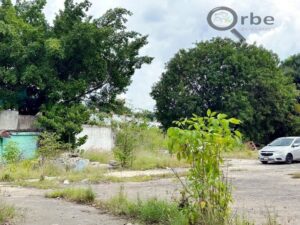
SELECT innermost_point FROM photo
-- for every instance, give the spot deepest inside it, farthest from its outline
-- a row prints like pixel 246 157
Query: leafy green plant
pixel 66 122
pixel 11 152
pixel 201 141
pixel 49 146
pixel 126 140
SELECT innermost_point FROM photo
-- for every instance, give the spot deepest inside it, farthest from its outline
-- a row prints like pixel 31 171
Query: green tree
pixel 65 122
pixel 48 68
pixel 77 58
pixel 241 80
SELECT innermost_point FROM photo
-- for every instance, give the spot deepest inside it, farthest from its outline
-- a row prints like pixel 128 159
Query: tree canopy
pixel 76 59
pixel 241 80
pixel 53 68
pixel 291 68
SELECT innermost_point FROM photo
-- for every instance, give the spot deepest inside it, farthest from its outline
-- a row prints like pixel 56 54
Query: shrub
pixel 49 146
pixel 201 141
pixel 11 153
pixel 126 140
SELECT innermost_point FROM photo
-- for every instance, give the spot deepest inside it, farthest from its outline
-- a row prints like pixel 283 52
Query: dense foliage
pixel 241 80
pixel 54 68
pixel 77 58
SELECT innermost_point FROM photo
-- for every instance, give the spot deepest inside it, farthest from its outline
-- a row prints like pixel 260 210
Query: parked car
pixel 284 149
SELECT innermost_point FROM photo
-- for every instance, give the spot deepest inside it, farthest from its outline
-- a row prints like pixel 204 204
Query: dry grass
pixel 78 195
pixel 145 160
pixel 101 157
pixel 241 154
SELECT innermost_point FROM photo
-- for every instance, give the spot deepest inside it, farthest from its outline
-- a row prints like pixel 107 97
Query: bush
pixel 78 195
pixel 12 153
pixel 126 140
pixel 201 141
pixel 49 146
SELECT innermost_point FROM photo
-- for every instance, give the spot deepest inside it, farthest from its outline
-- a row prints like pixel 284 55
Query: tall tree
pixel 241 80
pixel 77 58
pixel 291 68
pixel 44 67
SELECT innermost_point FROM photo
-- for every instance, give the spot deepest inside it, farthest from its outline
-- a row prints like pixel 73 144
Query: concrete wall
pixel 11 120
pixel 26 122
pixel 99 138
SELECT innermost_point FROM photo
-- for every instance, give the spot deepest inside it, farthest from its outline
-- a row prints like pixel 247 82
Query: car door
pixel 296 149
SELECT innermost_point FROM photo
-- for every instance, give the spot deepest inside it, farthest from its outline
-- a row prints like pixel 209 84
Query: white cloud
pixel 175 24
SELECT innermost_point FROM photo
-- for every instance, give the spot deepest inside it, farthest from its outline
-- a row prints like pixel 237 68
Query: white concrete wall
pixel 9 120
pixel 99 138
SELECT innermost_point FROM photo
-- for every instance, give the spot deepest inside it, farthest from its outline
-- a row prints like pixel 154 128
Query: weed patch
pixel 7 213
pixel 78 195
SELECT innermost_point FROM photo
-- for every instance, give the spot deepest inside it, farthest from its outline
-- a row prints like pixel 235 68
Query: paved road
pixel 35 209
pixel 257 189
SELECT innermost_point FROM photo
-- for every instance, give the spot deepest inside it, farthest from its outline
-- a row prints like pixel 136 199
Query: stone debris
pixel 66 182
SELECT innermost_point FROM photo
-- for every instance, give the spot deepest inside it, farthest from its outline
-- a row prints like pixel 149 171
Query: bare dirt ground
pixel 257 189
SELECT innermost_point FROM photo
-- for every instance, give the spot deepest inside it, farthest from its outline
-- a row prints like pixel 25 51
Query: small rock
pixel 112 164
pixel 85 181
pixel 66 182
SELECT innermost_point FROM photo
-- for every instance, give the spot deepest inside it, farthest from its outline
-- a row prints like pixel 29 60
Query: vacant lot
pixel 257 189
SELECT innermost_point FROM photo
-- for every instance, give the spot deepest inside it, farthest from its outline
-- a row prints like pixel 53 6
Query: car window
pixel 282 142
pixel 297 141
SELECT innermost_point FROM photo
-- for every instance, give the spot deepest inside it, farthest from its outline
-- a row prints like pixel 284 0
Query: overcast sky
pixel 175 24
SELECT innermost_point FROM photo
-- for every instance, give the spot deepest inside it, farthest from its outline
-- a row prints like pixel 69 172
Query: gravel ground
pixel 257 190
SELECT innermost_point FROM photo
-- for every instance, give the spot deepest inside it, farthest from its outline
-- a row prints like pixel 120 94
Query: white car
pixel 284 149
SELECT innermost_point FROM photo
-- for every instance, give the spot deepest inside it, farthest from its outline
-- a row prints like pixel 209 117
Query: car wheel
pixel 289 159
pixel 264 162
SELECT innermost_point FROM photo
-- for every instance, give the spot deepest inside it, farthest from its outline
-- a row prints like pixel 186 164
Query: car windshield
pixel 282 142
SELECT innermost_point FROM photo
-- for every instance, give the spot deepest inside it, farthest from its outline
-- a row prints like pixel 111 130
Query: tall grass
pixel 152 211
pixel 95 156
pixel 144 160
pixel 149 152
